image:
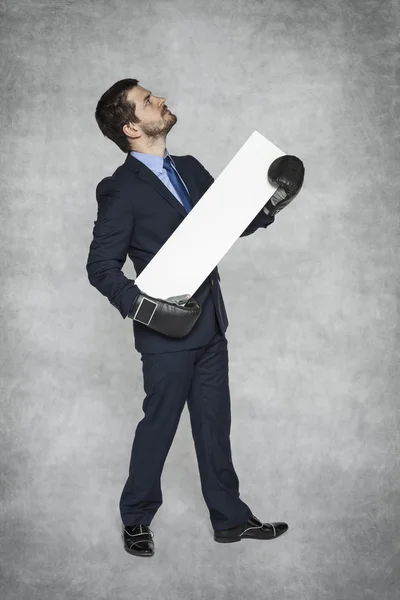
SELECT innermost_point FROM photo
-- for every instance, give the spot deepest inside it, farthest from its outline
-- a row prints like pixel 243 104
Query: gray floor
pixel 313 366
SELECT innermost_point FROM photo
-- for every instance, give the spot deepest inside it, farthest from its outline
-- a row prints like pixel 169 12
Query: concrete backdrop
pixel 313 364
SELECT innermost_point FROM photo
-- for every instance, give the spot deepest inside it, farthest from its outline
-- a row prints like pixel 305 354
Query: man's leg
pixel 166 380
pixel 210 415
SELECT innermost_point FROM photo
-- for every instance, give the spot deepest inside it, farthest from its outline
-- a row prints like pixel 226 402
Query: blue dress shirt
pixel 156 164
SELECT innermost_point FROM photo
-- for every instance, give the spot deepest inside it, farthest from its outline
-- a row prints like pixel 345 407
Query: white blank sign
pixel 214 223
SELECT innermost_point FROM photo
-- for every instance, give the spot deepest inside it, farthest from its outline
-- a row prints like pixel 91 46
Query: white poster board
pixel 214 223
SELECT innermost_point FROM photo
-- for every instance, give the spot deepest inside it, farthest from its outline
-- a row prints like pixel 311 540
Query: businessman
pixel 181 341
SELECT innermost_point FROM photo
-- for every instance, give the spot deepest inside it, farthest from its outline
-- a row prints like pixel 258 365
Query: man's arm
pixel 260 220
pixel 112 234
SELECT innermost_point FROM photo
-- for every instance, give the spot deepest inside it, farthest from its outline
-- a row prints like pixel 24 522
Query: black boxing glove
pixel 174 317
pixel 288 173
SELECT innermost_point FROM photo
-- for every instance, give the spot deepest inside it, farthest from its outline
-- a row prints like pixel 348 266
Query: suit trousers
pixel 200 376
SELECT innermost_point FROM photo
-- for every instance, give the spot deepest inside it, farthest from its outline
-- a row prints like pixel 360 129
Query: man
pixel 183 347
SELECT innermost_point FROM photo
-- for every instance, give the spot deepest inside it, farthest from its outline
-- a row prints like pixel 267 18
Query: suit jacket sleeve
pixel 260 220
pixel 112 234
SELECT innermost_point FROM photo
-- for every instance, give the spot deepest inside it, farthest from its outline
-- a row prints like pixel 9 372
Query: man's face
pixel 155 120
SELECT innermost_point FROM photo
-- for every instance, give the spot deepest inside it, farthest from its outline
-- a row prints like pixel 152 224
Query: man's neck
pixel 155 149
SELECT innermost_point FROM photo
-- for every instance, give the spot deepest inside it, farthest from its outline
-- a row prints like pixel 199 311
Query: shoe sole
pixel 134 553
pixel 224 540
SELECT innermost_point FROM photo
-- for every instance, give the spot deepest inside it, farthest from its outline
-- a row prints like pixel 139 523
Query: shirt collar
pixel 155 163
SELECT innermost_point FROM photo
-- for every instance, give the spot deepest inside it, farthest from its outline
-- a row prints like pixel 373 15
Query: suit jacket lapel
pixel 143 172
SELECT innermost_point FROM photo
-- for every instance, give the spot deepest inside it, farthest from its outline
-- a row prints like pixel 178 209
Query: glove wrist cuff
pixel 143 309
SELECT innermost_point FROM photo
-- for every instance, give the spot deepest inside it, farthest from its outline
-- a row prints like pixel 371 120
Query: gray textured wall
pixel 313 366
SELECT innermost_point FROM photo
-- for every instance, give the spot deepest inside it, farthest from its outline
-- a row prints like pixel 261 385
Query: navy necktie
pixel 178 185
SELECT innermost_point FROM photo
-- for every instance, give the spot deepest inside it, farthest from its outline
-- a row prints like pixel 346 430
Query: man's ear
pixel 131 130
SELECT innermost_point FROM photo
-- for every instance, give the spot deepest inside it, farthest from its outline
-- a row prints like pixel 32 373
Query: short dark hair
pixel 113 111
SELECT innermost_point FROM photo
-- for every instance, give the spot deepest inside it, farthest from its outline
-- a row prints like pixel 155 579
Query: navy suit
pixel 136 215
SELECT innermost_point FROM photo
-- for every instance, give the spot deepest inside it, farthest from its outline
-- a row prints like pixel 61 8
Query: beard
pixel 159 128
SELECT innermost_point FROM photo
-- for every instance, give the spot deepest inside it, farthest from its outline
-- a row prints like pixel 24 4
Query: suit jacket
pixel 136 215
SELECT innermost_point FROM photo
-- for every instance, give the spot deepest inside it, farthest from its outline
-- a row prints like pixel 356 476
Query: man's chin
pixel 171 122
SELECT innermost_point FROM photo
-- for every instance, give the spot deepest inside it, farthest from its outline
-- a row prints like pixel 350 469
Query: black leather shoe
pixel 138 540
pixel 252 528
